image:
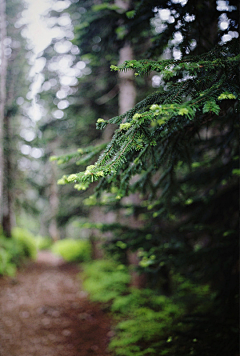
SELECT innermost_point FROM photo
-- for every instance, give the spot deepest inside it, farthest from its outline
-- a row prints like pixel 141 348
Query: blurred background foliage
pixel 15 251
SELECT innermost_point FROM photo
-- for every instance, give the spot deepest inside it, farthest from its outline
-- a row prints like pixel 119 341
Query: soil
pixel 45 312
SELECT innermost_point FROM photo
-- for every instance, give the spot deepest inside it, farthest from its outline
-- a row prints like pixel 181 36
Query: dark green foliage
pixel 148 323
pixel 164 125
pixel 178 148
pixel 105 280
pixel 197 21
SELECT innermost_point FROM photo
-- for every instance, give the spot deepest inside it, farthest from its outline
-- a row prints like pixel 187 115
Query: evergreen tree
pixel 179 148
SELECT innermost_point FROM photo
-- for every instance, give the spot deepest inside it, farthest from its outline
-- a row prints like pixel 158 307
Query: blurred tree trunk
pixel 3 75
pixel 126 101
pixel 54 203
pixel 127 90
pixel 8 142
pixel 7 218
pixel 53 197
pixel 208 25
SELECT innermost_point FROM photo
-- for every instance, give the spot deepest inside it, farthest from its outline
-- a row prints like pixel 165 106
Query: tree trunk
pixel 54 204
pixel 126 101
pixel 3 75
pixel 127 90
pixel 207 17
pixel 7 219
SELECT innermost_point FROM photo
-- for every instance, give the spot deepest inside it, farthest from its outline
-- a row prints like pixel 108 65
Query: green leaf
pixel 105 6
pixel 131 14
pixel 226 95
pixel 183 111
pixel 211 106
pixel 236 172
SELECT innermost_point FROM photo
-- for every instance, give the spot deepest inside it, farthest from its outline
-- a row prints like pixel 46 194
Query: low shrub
pixel 147 323
pixel 26 241
pixel 9 254
pixel 105 280
pixel 43 242
pixel 13 251
pixel 73 250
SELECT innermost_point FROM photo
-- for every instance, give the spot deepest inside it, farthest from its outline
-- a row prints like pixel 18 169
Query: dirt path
pixel 43 312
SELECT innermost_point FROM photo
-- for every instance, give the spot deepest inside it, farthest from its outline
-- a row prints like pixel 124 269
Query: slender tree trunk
pixel 9 163
pixel 207 17
pixel 53 202
pixel 3 75
pixel 127 90
pixel 7 219
pixel 126 101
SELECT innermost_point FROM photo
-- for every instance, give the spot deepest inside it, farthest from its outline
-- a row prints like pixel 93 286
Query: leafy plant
pixel 26 240
pixel 147 323
pixel 105 280
pixel 43 242
pixel 73 250
pixel 7 255
pixel 15 250
pixel 162 125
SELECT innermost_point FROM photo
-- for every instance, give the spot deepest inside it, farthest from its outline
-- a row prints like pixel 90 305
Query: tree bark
pixel 3 75
pixel 126 101
pixel 53 204
pixel 207 17
pixel 127 90
pixel 7 218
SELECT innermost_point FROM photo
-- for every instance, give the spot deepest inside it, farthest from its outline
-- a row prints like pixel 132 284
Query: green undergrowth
pixel 147 323
pixel 15 250
pixel 43 242
pixel 72 250
pixel 105 280
pixel 26 241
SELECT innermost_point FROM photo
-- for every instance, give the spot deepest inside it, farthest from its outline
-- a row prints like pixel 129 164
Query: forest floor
pixel 44 312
